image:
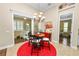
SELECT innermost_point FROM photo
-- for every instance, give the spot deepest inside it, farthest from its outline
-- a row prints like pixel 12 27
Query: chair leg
pixel 38 52
pixel 49 44
pixel 35 49
pixel 42 46
pixel 29 42
pixel 31 51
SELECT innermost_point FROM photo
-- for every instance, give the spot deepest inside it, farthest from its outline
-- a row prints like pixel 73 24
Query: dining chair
pixel 47 39
pixel 35 43
pixel 31 37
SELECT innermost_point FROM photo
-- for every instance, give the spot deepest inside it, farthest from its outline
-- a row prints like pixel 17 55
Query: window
pixel 65 26
pixel 18 25
pixel 66 16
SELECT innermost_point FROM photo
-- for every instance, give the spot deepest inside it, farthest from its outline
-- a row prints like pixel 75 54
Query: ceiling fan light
pixel 41 13
pixel 27 24
pixel 43 17
pixel 25 18
pixel 40 16
pixel 35 14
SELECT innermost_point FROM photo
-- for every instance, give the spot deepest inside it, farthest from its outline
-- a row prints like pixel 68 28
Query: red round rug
pixel 25 50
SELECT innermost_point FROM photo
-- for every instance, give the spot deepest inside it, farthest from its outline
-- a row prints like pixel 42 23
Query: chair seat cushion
pixel 37 41
pixel 46 39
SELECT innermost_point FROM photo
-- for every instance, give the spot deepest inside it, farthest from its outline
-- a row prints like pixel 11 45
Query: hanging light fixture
pixel 39 16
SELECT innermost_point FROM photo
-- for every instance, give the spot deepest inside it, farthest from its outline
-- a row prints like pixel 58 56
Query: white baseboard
pixel 73 47
pixel 6 46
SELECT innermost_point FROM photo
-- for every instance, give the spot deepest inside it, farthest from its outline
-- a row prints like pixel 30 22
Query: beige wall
pixel 6 27
pixel 53 15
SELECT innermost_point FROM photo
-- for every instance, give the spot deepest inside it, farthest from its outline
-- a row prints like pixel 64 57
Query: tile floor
pixel 61 50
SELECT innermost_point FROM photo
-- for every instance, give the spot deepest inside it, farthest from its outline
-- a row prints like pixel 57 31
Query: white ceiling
pixel 42 6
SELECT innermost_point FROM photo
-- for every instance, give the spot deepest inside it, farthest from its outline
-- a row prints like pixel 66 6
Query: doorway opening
pixel 65 29
pixel 22 26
